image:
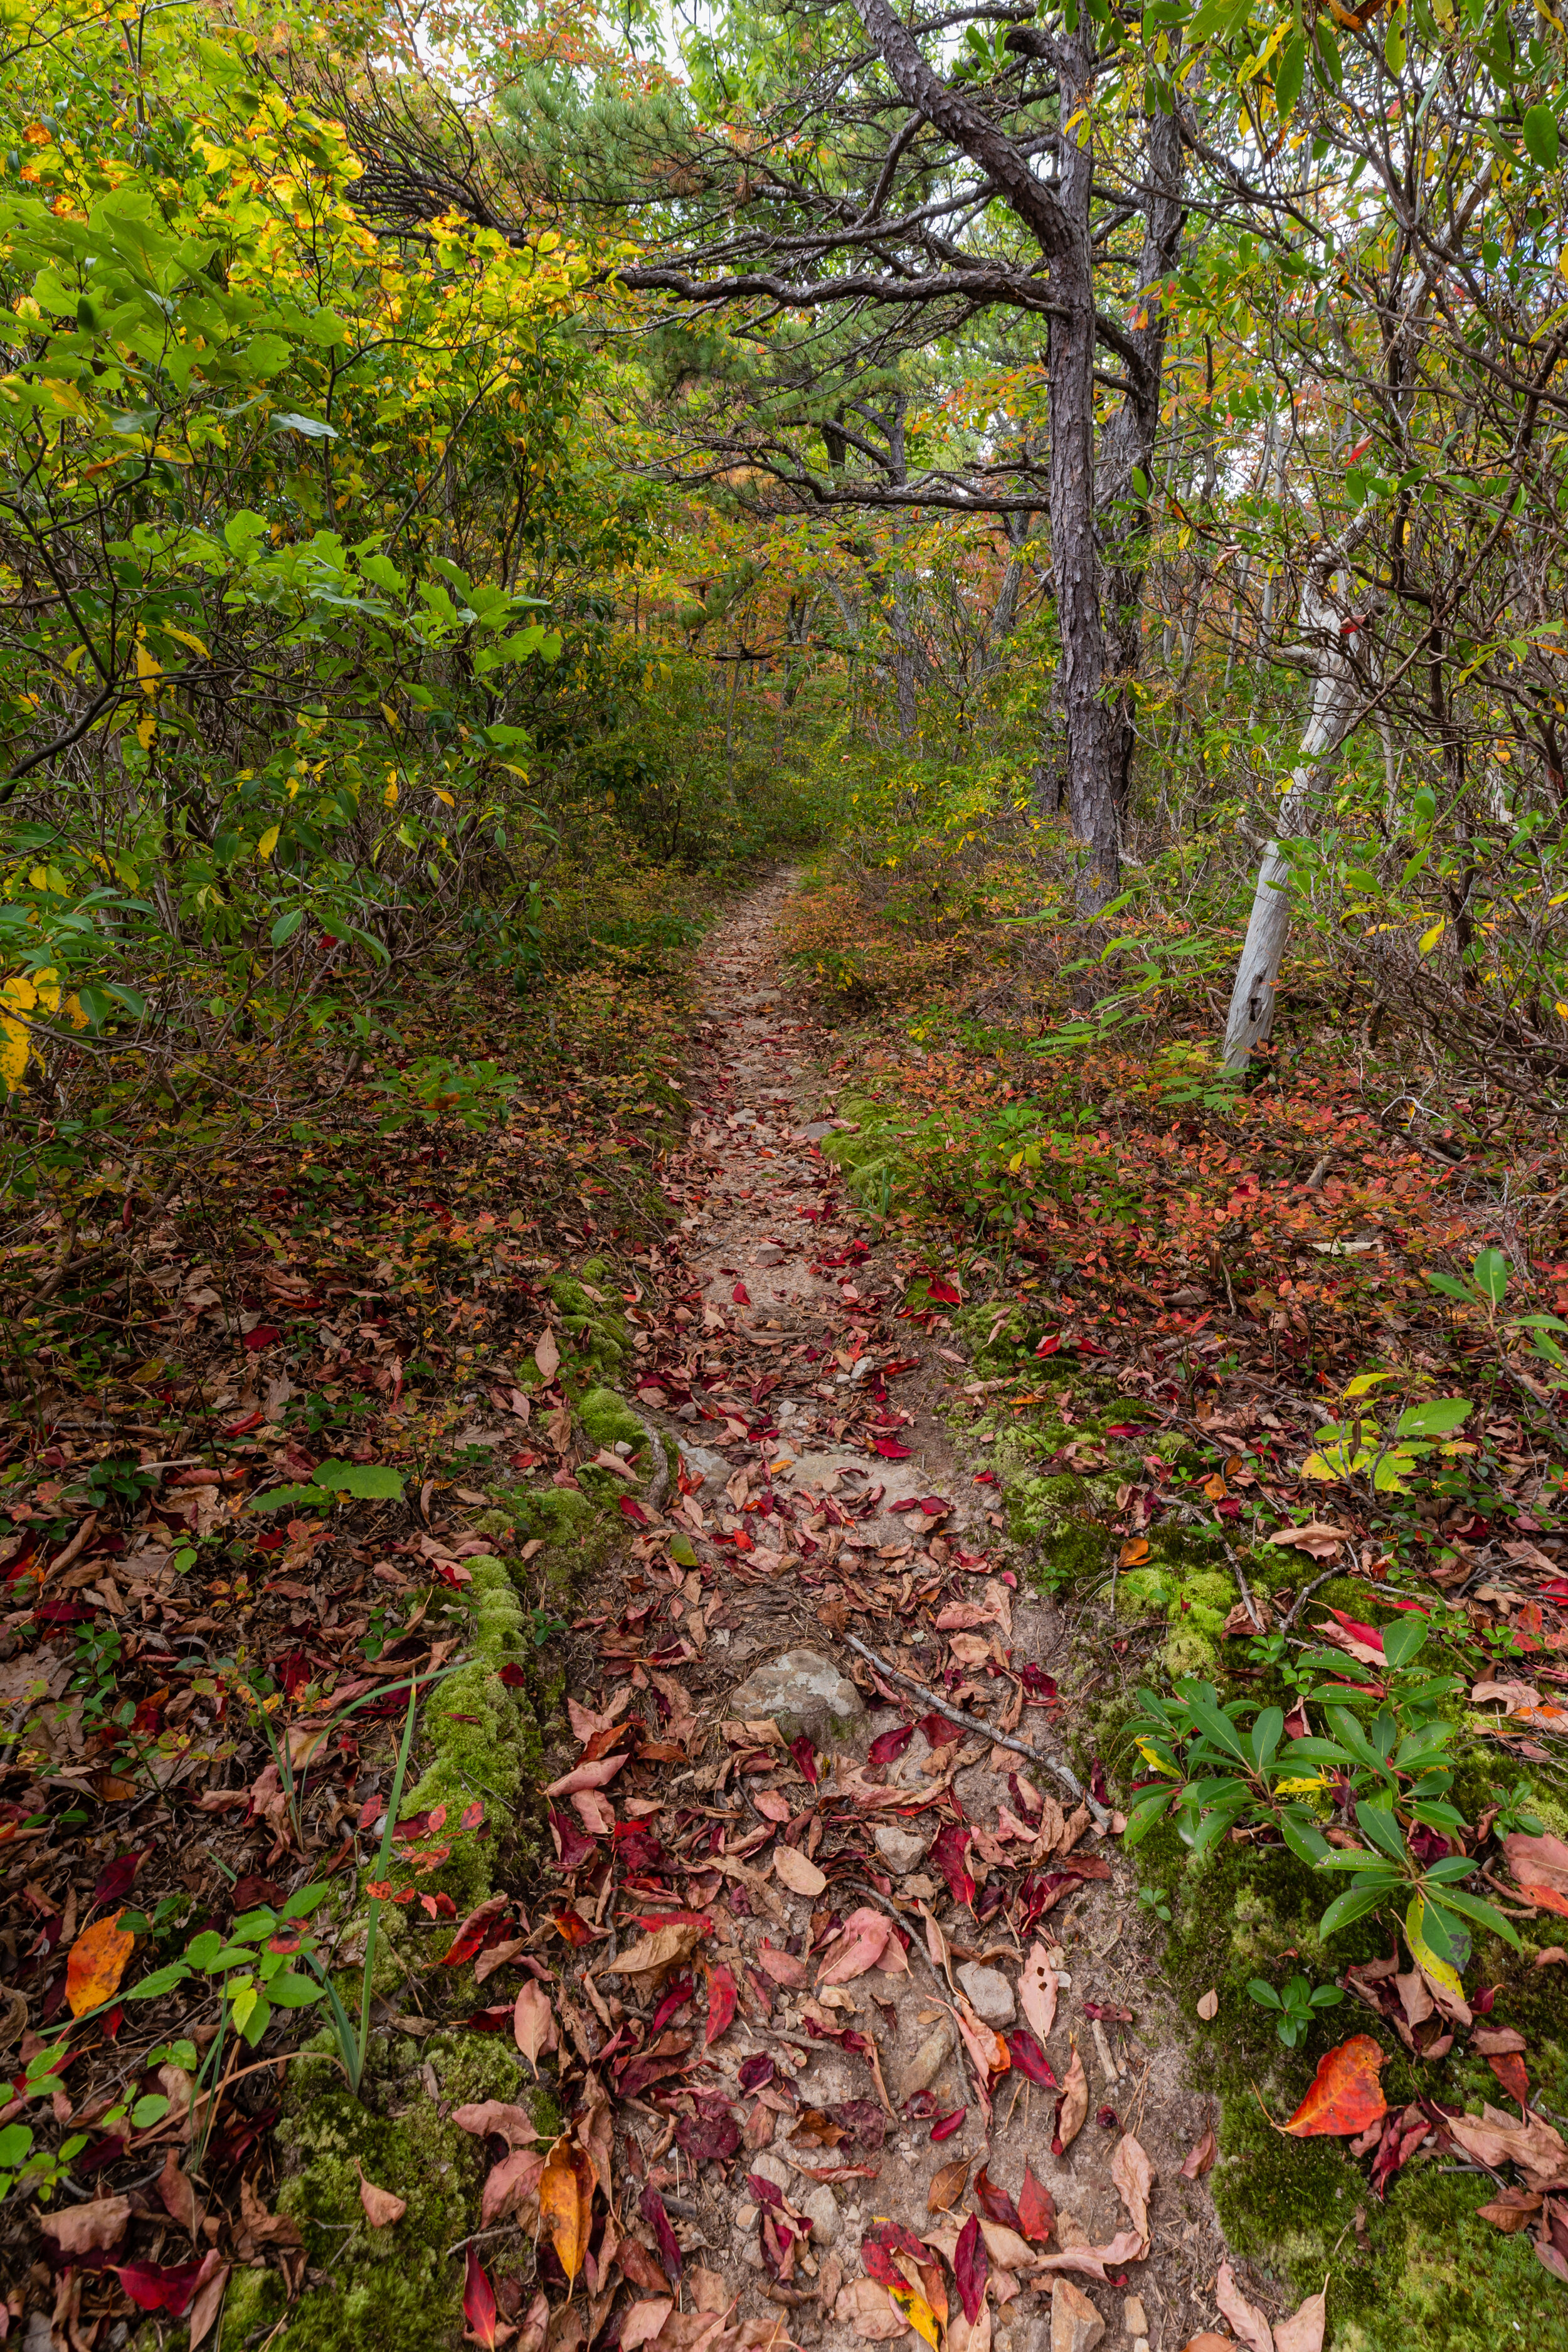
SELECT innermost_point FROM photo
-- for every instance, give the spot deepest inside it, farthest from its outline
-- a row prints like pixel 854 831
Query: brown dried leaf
pixel 382 2207
pixel 947 2186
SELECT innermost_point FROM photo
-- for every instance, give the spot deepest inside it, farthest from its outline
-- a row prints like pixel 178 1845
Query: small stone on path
pixel 1076 2326
pixel 801 1691
pixel 989 1993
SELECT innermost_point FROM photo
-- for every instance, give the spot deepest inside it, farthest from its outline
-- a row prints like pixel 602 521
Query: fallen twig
pixel 934 1699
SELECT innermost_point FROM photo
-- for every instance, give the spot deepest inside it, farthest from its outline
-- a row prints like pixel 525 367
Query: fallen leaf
pixel 1037 2209
pixel 97 1963
pixel 534 2023
pixel 486 2326
pixel 1072 2106
pixel 1346 2094
pixel 801 1876
pixel 510 2184
pixel 861 1946
pixel 1208 2006
pixel 971 2267
pixel 1037 1992
pixel 514 2124
pixel 178 2196
pixel 1539 1866
pixel 644 2320
pixel 547 1356
pixel 1513 2210
pixel 947 2185
pixel 1497 2138
pixel 722 1994
pixel 1303 2331
pixel 87 2229
pixel 1134 2179
pixel 660 1949
pixel 1251 2328
pixel 868 2308
pixel 1318 1537
pixel 566 2200
pixel 1200 2157
pixel 382 2207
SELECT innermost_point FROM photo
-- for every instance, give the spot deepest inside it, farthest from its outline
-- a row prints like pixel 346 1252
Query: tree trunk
pixel 1336 692
pixel 1128 443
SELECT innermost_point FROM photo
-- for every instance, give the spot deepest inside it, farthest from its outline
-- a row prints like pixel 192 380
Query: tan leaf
pixel 178 2196
pixel 791 1868
pixel 512 2124
pixel 382 2207
pixel 963 2338
pixel 1134 2178
pixel 1502 2138
pixel 661 1949
pixel 861 1946
pixel 1037 1992
pixel 205 2304
pixel 1319 1539
pixel 1251 2328
pixel 1074 2102
pixel 1303 2331
pixel 87 2229
pixel 947 2186
pixel 644 2320
pixel 1200 2157
pixel 1208 2005
pixel 547 1356
pixel 870 2311
pixel 534 2023
pixel 707 2289
pixel 1095 2261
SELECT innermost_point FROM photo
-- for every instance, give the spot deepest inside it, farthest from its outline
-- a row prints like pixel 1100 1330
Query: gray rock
pixel 802 1691
pixel 769 2167
pixel 702 1462
pixel 901 1849
pixel 929 2060
pixel 823 2208
pixel 989 1993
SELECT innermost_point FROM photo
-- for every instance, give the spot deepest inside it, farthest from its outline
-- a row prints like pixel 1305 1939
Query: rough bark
pixel 1058 218
pixel 1128 446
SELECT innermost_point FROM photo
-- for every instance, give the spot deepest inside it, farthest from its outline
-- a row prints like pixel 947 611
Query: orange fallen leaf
pixel 566 2200
pixel 1134 1553
pixel 97 1963
pixel 1346 2094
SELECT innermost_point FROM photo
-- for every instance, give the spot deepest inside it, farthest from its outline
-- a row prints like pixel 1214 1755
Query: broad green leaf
pixel 1353 1905
pixel 366 1481
pixel 1540 137
pixel 1437 1418
pixel 1402 1640
pixel 1491 1273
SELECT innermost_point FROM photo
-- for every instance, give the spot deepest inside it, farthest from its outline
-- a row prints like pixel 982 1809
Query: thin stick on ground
pixel 934 1700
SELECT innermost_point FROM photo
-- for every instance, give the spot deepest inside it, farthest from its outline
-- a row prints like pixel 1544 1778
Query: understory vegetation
pixel 1081 491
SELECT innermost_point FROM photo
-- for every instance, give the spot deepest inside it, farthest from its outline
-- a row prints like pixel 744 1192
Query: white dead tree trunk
pixel 1330 629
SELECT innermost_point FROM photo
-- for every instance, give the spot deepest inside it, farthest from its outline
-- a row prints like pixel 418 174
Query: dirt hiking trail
pixel 870 1995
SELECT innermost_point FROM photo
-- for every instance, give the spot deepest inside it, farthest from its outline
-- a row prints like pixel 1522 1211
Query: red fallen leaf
pixel 249 1420
pixel 880 2244
pixel 652 2210
pixel 949 1294
pixel 1346 2095
pixel 891 1746
pixel 1048 1347
pixel 1371 1634
pixel 741 1294
pixel 1108 2013
pixel 479 2304
pixel 950 1851
pixel 511 1675
pixel 1030 2060
pixel 1401 2136
pixel 1036 2210
pixel 676 1993
pixel 723 1991
pixel 572 1927
pixel 1107 2119
pixel 756 2071
pixel 971 2268
pixel 118 1878
pixel 890 1450
pixel 573 1846
pixel 1509 2069
pixel 264 1335
pixel 996 2203
pixel 634 1511
pixel 470 1937
pixel 152 2288
pixel 949 2124
pixel 708 2139
pixel 804 1756
pixel 939 1731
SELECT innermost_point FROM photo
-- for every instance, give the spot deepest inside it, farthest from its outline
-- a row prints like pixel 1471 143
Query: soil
pixel 770 1273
